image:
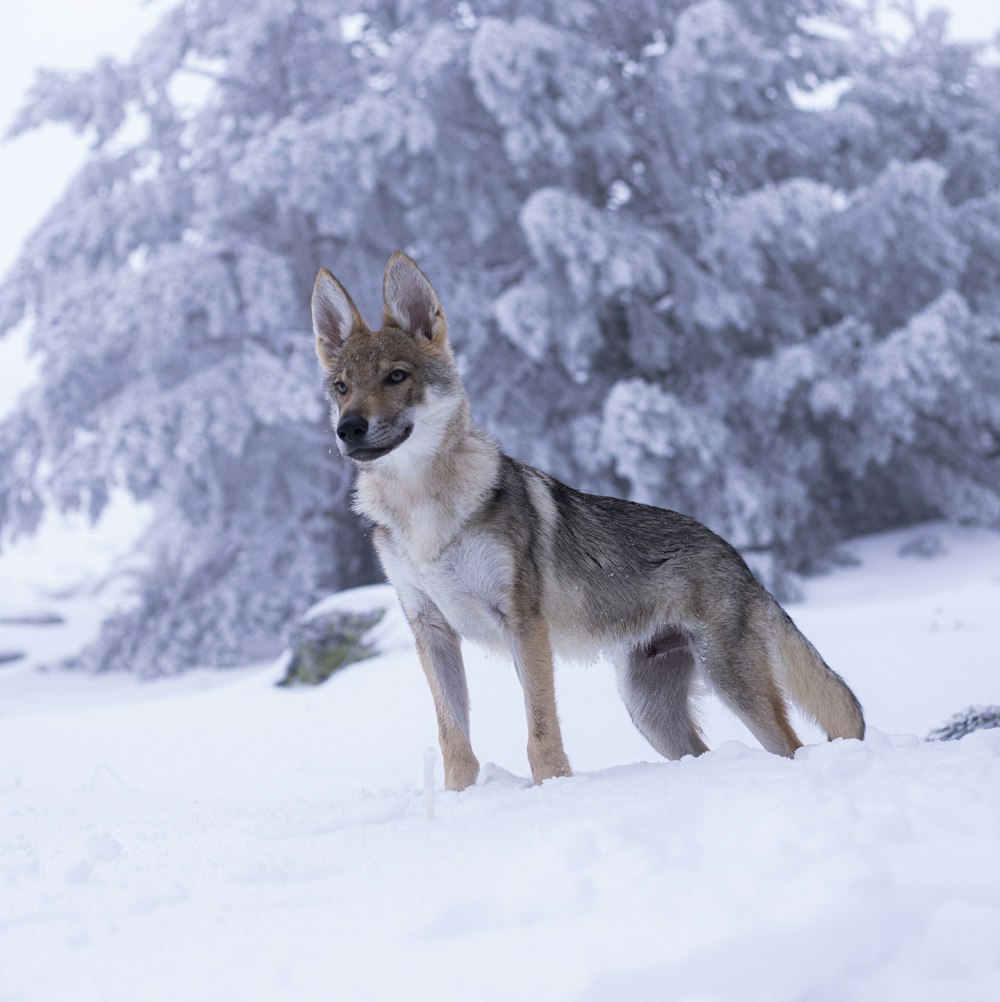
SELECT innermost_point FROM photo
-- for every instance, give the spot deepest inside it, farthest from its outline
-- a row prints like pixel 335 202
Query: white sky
pixel 72 33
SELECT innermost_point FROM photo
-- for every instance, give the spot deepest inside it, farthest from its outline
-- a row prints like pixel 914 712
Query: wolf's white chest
pixel 470 583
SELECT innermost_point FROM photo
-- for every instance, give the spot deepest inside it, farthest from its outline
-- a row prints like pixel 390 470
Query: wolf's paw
pixel 460 773
pixel 548 762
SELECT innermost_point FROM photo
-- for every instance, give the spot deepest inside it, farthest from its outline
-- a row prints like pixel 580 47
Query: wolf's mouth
pixel 364 455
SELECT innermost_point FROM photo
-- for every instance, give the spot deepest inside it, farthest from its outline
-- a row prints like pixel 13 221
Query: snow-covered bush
pixel 975 718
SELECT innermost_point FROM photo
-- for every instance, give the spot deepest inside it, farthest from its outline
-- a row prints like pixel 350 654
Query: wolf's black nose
pixel 352 429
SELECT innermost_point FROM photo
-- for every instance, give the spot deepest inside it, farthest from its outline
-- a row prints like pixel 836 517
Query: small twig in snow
pixel 103 767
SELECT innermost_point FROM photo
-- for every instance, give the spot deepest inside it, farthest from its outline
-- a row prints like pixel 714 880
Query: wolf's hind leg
pixel 655 683
pixel 741 674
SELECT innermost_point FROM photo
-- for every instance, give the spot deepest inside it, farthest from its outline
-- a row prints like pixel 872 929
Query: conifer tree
pixel 737 259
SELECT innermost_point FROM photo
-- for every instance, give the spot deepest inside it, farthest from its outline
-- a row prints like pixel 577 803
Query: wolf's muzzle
pixel 352 429
pixel 363 443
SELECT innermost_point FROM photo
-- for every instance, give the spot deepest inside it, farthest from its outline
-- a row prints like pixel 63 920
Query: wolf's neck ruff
pixel 424 492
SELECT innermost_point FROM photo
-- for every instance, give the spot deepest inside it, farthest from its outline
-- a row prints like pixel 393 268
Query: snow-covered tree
pixel 739 259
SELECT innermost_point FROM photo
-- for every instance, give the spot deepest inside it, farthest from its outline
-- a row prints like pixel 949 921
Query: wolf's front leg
pixel 440 653
pixel 533 659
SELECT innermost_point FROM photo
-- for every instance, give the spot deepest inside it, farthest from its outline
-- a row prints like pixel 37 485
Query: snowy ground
pixel 214 837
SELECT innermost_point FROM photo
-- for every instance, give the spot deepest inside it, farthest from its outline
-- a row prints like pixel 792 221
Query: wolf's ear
pixel 334 317
pixel 409 301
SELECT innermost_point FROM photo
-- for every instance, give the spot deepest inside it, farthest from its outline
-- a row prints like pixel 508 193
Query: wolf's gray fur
pixel 655 683
pixel 481 546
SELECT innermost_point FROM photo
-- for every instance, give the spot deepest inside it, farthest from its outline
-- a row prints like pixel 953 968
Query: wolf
pixel 480 546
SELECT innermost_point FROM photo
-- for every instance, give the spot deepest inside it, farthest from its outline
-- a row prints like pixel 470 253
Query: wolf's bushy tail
pixel 814 686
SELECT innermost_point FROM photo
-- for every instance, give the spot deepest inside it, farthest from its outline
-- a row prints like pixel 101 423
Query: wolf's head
pixel 394 390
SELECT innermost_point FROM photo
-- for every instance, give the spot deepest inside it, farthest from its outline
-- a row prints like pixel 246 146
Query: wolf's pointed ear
pixel 410 303
pixel 334 317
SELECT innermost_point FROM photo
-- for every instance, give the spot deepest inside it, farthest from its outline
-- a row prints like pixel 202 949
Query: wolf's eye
pixel 340 387
pixel 396 376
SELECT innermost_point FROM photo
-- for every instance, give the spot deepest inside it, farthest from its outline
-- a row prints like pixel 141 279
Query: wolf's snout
pixel 352 429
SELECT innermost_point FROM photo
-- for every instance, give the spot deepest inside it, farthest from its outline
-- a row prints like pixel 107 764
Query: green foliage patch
pixel 324 644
